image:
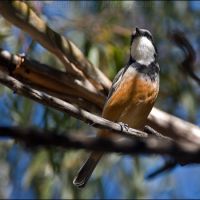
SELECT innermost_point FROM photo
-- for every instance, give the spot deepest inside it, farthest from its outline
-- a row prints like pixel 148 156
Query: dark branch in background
pixel 168 166
pixel 125 145
pixel 190 56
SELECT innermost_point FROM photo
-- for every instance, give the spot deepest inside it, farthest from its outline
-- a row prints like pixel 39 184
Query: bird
pixel 132 95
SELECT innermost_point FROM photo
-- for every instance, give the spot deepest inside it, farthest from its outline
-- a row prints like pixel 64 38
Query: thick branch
pixel 19 13
pixel 49 79
pixel 174 127
pixel 148 146
pixel 63 106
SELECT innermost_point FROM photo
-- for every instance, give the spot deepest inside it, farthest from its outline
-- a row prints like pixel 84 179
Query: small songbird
pixel 132 95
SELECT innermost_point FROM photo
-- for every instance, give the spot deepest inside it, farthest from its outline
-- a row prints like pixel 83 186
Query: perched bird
pixel 132 95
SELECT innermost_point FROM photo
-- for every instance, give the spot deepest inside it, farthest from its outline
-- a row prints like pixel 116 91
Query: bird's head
pixel 143 49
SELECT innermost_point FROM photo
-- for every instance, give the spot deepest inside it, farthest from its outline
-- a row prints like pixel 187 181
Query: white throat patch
pixel 142 50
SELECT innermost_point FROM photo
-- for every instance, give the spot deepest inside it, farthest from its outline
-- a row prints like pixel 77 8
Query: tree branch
pixel 48 79
pixel 151 145
pixel 174 127
pixel 63 106
pixel 169 165
pixel 21 15
pixel 190 55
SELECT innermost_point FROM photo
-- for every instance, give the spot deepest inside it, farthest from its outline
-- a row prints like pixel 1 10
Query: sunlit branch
pixel 45 78
pixel 58 104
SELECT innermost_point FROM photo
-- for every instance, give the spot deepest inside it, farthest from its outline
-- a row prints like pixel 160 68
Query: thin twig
pixel 169 165
pixel 151 131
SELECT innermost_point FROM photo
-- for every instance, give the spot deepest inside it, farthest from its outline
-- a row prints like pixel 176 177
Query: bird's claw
pixel 123 126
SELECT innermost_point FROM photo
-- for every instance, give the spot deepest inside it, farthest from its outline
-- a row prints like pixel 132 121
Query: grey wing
pixel 116 82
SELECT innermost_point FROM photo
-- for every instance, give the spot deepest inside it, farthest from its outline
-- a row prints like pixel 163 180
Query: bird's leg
pixel 123 126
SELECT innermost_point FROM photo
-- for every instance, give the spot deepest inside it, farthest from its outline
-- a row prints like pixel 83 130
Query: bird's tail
pixel 86 170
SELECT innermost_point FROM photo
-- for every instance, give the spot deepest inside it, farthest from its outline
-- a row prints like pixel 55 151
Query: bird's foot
pixel 123 126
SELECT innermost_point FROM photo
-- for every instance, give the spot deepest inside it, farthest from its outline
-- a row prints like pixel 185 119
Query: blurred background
pixel 101 29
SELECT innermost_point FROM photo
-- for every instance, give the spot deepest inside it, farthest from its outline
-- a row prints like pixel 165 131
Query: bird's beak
pixel 137 30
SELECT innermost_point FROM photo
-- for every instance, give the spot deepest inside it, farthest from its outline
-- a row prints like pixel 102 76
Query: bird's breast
pixel 133 100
